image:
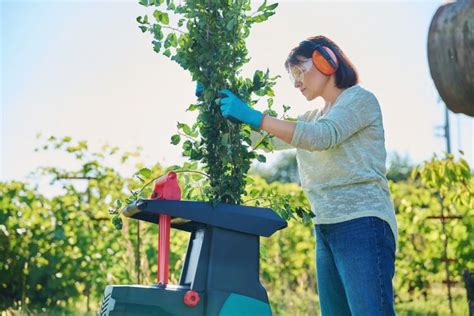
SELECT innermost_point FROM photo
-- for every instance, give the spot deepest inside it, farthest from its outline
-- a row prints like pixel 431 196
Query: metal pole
pixel 446 130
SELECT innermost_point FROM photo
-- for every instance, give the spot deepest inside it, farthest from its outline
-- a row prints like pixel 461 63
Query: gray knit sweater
pixel 341 159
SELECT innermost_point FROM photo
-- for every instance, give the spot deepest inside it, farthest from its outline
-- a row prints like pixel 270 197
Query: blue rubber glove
pixel 233 107
pixel 199 89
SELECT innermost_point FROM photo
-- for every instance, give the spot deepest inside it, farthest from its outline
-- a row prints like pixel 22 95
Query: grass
pixel 301 303
pixel 436 305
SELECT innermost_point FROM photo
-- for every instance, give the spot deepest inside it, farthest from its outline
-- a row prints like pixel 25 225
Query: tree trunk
pixel 451 55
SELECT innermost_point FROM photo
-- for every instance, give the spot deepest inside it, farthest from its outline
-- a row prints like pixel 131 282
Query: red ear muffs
pixel 324 60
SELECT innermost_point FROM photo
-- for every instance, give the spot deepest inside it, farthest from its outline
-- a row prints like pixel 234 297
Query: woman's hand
pixel 199 89
pixel 233 107
pixel 237 111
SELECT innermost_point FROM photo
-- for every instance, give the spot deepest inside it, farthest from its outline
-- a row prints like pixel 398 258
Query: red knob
pixel 191 298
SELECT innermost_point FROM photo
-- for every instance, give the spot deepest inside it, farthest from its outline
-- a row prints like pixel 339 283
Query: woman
pixel 341 161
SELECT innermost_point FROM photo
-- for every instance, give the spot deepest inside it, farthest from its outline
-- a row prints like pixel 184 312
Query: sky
pixel 84 69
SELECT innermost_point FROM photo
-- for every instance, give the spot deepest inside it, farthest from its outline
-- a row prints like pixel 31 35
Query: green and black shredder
pixel 220 274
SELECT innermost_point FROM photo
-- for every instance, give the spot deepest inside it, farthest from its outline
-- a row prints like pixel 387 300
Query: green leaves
pixel 231 24
pixel 265 11
pixel 156 46
pixel 258 80
pixel 41 234
pixel 48 234
pixel 118 204
pixel 263 84
pixel 443 175
pixel 272 7
pixel 157 32
pixel 145 172
pixel 192 107
pixel 148 3
pixel 117 222
pixel 434 210
pixel 175 139
pixel 142 19
pixel 208 39
pixel 161 17
pixel 261 158
pixel 264 7
pixel 187 130
pixel 183 39
pixel 171 40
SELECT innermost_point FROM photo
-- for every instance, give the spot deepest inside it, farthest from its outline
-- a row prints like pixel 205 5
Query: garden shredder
pixel 220 274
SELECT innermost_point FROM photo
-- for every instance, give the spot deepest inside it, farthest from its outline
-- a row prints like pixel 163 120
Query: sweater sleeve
pixel 348 116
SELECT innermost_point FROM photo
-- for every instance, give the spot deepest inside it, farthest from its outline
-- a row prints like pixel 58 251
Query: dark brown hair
pixel 346 74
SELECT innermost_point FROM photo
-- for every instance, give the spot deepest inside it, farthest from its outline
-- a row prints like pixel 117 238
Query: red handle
pixel 163 249
pixel 166 188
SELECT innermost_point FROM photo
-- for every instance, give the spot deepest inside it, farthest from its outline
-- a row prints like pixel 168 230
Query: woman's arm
pixel 277 144
pixel 277 139
pixel 345 119
pixel 351 114
pixel 282 129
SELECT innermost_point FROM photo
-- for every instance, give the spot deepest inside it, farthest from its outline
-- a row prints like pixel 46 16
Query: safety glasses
pixel 297 72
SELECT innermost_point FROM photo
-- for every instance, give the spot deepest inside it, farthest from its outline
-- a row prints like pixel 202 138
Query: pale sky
pixel 84 69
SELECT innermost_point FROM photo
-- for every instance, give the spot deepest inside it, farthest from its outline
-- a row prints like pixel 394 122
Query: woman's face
pixel 309 80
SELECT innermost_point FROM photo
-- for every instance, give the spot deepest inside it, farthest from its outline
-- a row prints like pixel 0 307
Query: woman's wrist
pixel 263 119
pixel 279 128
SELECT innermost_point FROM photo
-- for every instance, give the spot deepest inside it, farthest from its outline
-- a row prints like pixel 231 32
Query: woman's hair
pixel 346 74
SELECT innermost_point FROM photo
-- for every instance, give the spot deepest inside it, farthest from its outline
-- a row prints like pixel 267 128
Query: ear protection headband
pixel 323 58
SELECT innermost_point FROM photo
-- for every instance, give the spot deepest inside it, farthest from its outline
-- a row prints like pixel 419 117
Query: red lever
pixel 166 188
pixel 163 249
pixel 191 298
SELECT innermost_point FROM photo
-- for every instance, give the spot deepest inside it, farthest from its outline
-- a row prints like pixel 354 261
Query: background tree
pixel 58 252
pixel 284 169
pixel 399 167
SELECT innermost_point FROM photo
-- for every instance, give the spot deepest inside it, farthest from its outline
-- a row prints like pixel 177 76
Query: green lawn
pixel 303 304
pixel 437 304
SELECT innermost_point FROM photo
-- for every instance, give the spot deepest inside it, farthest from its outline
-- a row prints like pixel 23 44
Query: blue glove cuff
pixel 255 118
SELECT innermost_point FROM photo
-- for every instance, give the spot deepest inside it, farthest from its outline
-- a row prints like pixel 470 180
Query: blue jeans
pixel 355 263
